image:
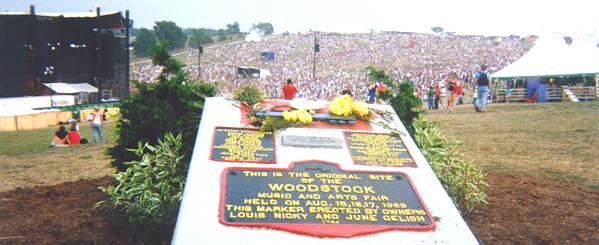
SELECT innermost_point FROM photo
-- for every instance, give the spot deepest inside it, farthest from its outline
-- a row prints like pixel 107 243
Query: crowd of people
pixel 425 59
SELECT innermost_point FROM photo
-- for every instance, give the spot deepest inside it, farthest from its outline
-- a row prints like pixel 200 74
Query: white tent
pixel 552 56
pixel 584 57
pixel 264 73
pixel 253 37
pixel 71 88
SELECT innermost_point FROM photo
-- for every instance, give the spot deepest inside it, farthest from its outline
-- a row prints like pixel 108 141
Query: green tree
pixel 222 36
pixel 263 28
pixel 174 104
pixel 376 74
pixel 233 29
pixel 198 37
pixel 401 97
pixel 134 31
pixel 380 76
pixel 407 105
pixel 210 32
pixel 169 32
pixel 144 40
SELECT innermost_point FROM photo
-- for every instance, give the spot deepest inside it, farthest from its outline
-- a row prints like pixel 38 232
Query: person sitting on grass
pixel 60 138
pixel 73 136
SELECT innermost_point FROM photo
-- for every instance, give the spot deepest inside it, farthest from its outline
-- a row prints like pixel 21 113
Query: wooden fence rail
pixel 553 94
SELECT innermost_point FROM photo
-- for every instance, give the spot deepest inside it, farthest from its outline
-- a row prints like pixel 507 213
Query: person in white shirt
pixel 97 124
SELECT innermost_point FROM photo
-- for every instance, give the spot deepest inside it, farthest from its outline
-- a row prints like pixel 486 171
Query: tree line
pixel 177 37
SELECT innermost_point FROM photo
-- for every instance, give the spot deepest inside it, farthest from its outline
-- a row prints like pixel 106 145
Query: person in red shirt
pixel 289 90
pixel 73 135
pixel 382 88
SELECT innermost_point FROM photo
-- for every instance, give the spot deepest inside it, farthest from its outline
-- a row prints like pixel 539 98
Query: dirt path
pixel 534 210
pixel 55 214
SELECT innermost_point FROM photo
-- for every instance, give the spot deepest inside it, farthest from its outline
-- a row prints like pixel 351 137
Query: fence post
pixel 596 86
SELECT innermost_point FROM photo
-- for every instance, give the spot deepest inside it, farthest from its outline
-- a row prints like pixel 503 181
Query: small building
pixel 84 92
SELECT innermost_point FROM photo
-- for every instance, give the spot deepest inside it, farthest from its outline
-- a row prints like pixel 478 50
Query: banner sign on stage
pixel 242 145
pixel 378 149
pixel 320 199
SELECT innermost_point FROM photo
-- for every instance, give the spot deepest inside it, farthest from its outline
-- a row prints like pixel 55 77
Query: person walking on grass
pixel 482 87
pixel 437 95
pixel 452 84
pixel 431 97
pixel 459 92
pixel 97 124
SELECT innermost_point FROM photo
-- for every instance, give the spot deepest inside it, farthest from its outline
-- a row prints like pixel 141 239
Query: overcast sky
pixel 498 17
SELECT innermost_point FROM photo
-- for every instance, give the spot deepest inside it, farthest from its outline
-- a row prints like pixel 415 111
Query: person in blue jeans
pixel 431 97
pixel 97 123
pixel 482 87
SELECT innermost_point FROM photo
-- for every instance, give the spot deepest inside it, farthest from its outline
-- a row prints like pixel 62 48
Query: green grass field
pixel 26 159
pixel 36 141
pixel 556 140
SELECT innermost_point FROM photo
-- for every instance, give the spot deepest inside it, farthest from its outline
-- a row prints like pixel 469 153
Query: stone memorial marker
pixel 325 186
pixel 378 149
pixel 315 193
pixel 311 141
pixel 242 145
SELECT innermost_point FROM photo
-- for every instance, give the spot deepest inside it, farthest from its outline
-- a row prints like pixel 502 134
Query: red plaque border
pixel 274 145
pixel 363 132
pixel 324 230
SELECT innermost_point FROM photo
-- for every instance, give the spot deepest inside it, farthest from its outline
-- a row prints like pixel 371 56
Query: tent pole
pixel 505 93
pixel 596 85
